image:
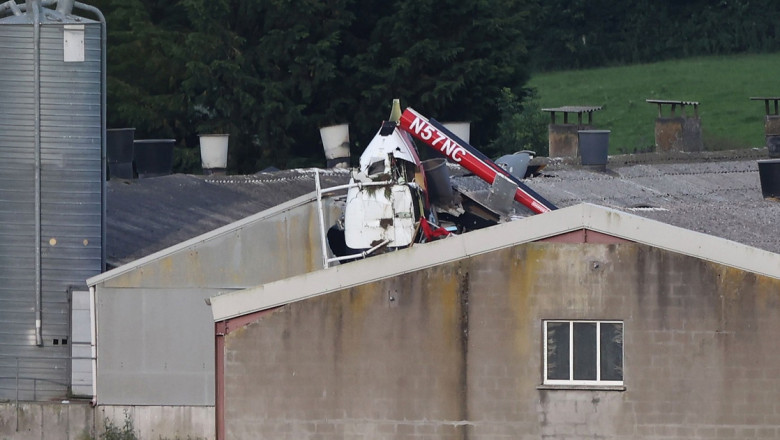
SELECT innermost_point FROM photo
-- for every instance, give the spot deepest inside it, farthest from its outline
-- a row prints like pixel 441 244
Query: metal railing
pixel 34 378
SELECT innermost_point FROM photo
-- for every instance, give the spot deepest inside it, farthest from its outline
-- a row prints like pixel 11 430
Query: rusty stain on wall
pixel 462 342
pixel 564 140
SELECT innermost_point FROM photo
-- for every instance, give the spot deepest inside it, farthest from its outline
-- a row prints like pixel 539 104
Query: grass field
pixel 722 86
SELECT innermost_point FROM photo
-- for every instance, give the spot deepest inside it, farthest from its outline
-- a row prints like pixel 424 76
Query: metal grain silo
pixel 52 101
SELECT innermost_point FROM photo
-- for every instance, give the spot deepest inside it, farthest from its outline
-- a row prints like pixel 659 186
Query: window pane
pixel 612 351
pixel 584 351
pixel 558 350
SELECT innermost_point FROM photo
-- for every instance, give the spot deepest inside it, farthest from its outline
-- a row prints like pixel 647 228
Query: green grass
pixel 722 86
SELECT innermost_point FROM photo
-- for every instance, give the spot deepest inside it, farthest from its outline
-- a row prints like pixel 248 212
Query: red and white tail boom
pixel 437 137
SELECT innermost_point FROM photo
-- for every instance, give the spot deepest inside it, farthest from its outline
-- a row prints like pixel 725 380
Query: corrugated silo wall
pixel 71 186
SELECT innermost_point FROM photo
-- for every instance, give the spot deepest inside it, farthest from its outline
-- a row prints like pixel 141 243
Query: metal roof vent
pixel 214 153
pixel 119 152
pixel 769 173
pixel 645 207
pixel 153 157
pixel 594 148
pixel 335 142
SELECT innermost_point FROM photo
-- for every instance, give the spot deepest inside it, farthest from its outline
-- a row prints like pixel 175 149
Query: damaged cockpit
pixel 394 199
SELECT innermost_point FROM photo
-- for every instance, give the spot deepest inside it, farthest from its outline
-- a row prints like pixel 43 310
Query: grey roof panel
pixel 714 193
pixel 148 215
pixel 720 198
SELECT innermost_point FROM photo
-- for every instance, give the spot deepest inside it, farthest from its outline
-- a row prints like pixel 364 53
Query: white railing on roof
pixel 326 258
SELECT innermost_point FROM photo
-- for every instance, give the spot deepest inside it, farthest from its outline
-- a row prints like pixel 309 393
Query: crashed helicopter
pixel 395 200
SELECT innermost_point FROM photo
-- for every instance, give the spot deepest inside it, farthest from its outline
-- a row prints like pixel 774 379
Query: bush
pixel 523 126
pixel 114 432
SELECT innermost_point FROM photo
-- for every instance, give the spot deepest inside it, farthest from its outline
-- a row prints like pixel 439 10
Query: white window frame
pixel 598 381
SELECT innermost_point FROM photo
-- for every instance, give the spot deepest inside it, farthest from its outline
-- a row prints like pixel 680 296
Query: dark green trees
pixel 577 33
pixel 447 59
pixel 270 72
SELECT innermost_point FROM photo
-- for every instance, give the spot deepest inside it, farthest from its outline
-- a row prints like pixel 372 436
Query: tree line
pixel 579 34
pixel 270 72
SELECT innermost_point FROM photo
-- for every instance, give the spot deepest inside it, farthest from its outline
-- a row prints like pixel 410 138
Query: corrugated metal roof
pixel 716 193
pixel 148 215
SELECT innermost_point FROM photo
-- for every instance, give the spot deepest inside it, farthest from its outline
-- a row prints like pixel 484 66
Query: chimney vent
pixel 153 157
pixel 769 173
pixel 214 153
pixel 335 141
pixel 119 152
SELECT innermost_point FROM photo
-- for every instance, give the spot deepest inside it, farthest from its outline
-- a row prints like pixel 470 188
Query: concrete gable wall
pixel 272 247
pixel 353 362
pixel 155 332
pixel 455 351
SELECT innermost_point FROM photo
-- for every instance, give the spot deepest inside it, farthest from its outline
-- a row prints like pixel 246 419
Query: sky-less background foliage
pixel 269 72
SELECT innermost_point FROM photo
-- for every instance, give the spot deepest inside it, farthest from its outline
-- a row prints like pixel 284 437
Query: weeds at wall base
pixel 127 431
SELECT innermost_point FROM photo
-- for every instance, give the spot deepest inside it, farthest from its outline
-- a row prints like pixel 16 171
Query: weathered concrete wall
pixel 161 422
pixel 456 352
pixel 46 421
pixel 80 421
pixel 772 134
pixel 368 363
pixel 155 347
pixel 155 330
pixel 680 133
pixel 698 344
pixel 279 243
pixel 563 140
pixel 772 125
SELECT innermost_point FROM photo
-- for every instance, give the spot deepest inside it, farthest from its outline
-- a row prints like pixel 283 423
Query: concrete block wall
pixel 155 344
pixel 46 421
pixel 160 422
pixel 458 352
pixel 678 133
pixel 512 291
pixel 699 362
pixel 78 420
pixel 356 364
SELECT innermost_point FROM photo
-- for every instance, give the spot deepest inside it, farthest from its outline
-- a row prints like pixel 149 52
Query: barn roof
pixel 716 193
pixel 145 216
pixel 608 221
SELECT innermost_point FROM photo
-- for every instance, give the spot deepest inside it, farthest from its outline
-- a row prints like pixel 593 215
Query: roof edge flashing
pixel 593 217
pixel 216 233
